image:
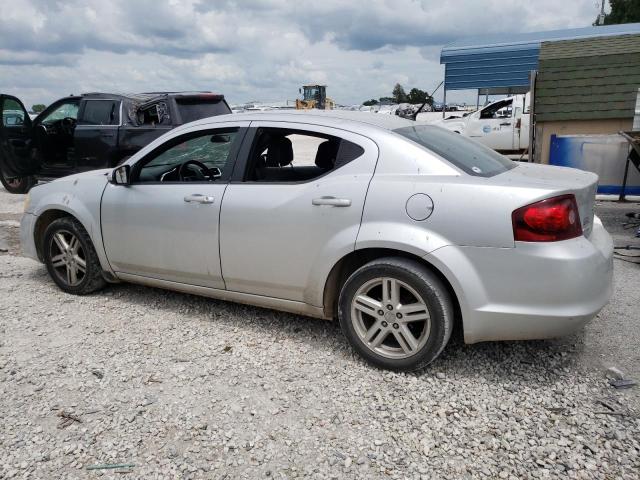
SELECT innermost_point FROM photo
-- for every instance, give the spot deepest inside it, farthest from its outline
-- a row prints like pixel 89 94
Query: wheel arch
pixel 43 221
pixel 357 258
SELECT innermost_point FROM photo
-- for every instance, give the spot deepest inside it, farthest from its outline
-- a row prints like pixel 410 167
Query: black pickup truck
pixel 90 131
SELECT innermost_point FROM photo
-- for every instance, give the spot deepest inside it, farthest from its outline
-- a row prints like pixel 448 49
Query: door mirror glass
pixel 120 175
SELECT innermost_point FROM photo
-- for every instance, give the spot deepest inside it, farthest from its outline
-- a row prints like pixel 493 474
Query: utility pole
pixel 600 20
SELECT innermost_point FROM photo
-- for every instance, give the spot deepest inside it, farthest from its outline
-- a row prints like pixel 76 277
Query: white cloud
pixel 254 49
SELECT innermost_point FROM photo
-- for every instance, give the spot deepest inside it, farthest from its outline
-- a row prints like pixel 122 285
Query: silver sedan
pixel 400 231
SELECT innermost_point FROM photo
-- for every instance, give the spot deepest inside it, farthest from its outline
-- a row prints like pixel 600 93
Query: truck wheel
pixel 396 313
pixel 16 184
pixel 70 257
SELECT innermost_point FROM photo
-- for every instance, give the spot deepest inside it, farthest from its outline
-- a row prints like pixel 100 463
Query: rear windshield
pixel 195 108
pixel 468 155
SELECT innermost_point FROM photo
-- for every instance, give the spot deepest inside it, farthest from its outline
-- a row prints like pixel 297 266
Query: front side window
pixel 498 110
pixel 197 157
pixel 64 110
pixel 100 112
pixel 469 156
pixel 283 155
pixel 13 114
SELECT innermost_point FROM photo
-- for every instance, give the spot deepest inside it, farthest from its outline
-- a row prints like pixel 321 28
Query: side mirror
pixel 120 175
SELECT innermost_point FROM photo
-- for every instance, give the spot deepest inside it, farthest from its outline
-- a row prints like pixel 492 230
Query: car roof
pixel 145 97
pixel 335 118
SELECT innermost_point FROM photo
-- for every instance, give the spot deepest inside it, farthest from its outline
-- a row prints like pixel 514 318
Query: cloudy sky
pixel 250 49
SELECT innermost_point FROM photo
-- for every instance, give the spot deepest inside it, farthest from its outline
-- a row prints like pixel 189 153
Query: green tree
pixel 419 96
pixel 370 103
pixel 38 107
pixel 387 100
pixel 399 95
pixel 623 11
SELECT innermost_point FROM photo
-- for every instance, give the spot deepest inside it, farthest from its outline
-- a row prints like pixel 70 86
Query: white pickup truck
pixel 501 125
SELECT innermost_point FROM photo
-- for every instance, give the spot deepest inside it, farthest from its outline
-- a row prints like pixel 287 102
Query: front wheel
pixel 16 184
pixel 70 257
pixel 396 313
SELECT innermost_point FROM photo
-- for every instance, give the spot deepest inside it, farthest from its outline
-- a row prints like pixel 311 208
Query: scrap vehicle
pixel 90 131
pixel 314 96
pixel 400 231
pixel 502 125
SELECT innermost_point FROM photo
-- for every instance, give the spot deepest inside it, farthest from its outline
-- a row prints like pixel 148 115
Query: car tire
pixel 70 257
pixel 16 184
pixel 396 313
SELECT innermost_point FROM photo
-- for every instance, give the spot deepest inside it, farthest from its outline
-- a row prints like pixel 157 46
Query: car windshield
pixel 468 155
pixel 65 110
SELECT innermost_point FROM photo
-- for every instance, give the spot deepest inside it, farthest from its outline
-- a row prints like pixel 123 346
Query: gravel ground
pixel 186 387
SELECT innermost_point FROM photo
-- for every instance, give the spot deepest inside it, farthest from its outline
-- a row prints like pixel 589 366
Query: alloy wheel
pixel 390 318
pixel 68 257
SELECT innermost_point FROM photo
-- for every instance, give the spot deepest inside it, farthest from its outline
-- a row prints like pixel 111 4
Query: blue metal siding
pixel 508 68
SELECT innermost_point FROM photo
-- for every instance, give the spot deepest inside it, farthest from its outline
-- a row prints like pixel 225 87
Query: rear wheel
pixel 16 184
pixel 70 257
pixel 396 313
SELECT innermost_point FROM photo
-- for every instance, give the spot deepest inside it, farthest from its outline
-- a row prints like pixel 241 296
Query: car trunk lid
pixel 556 181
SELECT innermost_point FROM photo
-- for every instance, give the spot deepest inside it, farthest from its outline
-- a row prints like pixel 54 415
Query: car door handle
pixel 507 124
pixel 332 201
pixel 198 198
pixel 108 135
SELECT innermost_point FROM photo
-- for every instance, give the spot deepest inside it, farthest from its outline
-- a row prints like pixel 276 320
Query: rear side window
pixel 100 112
pixel 195 108
pixel 469 156
pixel 293 156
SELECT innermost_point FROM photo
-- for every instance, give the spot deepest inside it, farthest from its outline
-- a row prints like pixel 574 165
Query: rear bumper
pixel 27 225
pixel 532 291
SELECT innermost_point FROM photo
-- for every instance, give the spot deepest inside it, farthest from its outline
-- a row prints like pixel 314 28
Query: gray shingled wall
pixel 589 79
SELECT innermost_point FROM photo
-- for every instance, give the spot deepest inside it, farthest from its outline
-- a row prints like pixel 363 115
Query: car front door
pixel 164 225
pixel 96 134
pixel 53 137
pixel 493 126
pixel 294 209
pixel 16 133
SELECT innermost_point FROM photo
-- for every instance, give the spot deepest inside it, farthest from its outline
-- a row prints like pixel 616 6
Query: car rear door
pixel 279 237
pixel 16 132
pixel 143 124
pixel 165 228
pixel 96 133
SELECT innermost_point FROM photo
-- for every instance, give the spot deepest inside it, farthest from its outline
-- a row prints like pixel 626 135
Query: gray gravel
pixel 186 387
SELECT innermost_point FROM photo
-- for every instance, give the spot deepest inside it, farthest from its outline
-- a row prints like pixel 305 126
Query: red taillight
pixel 548 220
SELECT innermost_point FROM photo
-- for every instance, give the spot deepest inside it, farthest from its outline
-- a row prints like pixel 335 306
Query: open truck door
pixel 17 163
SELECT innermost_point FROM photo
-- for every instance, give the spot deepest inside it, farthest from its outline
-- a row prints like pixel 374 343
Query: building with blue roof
pixel 501 63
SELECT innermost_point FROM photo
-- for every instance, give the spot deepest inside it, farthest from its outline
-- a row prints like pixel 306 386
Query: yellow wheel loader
pixel 314 96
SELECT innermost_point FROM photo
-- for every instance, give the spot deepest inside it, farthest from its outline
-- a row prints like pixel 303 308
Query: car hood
pixel 449 121
pixel 103 172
